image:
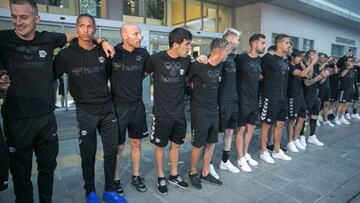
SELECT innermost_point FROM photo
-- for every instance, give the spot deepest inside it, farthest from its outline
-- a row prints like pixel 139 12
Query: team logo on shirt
pixel 101 59
pixel 42 53
pixel 173 67
pixel 138 58
pixel 214 74
pixel 28 51
pixel 182 71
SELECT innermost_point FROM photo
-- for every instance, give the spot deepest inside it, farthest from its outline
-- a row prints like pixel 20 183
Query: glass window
pixel 294 40
pixel 337 50
pixel 224 18
pixel 134 11
pixel 210 17
pixel 308 44
pixel 155 12
pixel 201 45
pixel 6 25
pixel 92 7
pixel 158 42
pixel 175 13
pixel 112 35
pixel 4 3
pixel 193 15
pixel 66 7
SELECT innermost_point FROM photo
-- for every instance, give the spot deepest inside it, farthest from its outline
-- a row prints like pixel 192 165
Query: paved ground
pixel 319 174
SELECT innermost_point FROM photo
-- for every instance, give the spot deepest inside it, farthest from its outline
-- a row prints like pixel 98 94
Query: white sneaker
pixel 243 165
pixel 213 172
pixel 337 121
pixel 303 140
pixel 344 121
pixel 329 123
pixel 281 155
pixel 299 145
pixel 291 147
pixel 347 116
pixel 318 124
pixel 251 161
pixel 265 156
pixel 355 115
pixel 228 166
pixel 313 140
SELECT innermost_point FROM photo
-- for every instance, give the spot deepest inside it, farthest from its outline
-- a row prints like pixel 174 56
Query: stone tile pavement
pixel 319 174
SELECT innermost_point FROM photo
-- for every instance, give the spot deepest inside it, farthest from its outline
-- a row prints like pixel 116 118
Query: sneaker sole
pixel 177 184
pixel 165 193
pixel 140 190
pixel 207 181
pixel 226 169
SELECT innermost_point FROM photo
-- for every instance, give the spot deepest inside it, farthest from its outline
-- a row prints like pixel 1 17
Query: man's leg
pixel 46 150
pixel 263 136
pixel 174 158
pixel 239 140
pixel 135 155
pixel 277 135
pixel 208 152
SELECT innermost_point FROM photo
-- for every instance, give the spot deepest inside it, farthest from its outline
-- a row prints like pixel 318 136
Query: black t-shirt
pixel 205 79
pixel 275 72
pixel 357 74
pixel 348 80
pixel 169 83
pixel 88 75
pixel 29 66
pixel 295 84
pixel 227 88
pixel 247 78
pixel 127 74
pixel 311 92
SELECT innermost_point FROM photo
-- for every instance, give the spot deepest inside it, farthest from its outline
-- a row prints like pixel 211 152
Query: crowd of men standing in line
pixel 230 93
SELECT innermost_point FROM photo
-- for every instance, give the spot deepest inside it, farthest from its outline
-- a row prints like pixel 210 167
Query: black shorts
pixel 325 94
pixel 273 109
pixel 297 108
pixel 168 128
pixel 313 108
pixel 228 116
pixel 204 129
pixel 247 115
pixel 345 95
pixel 132 118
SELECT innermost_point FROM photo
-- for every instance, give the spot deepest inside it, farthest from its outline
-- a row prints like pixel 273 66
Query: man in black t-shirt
pixel 227 98
pixel 127 75
pixel 311 89
pixel 355 99
pixel 169 123
pixel 29 121
pixel 296 101
pixel 248 72
pixel 346 89
pixel 204 80
pixel 95 111
pixel 274 107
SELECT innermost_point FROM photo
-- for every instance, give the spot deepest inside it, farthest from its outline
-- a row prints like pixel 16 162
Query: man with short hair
pixel 127 74
pixel 204 80
pixel 29 121
pixel 346 89
pixel 274 108
pixel 169 123
pixel 317 76
pixel 95 111
pixel 227 99
pixel 248 72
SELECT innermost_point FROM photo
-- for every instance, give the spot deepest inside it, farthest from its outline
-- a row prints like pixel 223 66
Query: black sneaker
pixel 118 188
pixel 138 182
pixel 195 181
pixel 178 181
pixel 211 179
pixel 270 147
pixel 162 186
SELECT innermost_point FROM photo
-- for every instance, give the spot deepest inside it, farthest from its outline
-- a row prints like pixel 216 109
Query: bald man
pixel 126 82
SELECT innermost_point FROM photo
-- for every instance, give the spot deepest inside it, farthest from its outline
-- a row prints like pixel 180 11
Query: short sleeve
pixel 59 39
pixel 59 64
pixel 193 70
pixel 149 67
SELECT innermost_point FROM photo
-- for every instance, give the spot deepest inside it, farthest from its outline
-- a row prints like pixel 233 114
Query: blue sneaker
pixel 113 197
pixel 92 198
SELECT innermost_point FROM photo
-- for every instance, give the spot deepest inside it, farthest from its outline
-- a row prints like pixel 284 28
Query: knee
pixel 120 149
pixel 136 144
pixel 175 147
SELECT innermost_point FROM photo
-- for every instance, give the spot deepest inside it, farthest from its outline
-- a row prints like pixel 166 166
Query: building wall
pixel 278 20
pixel 247 20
